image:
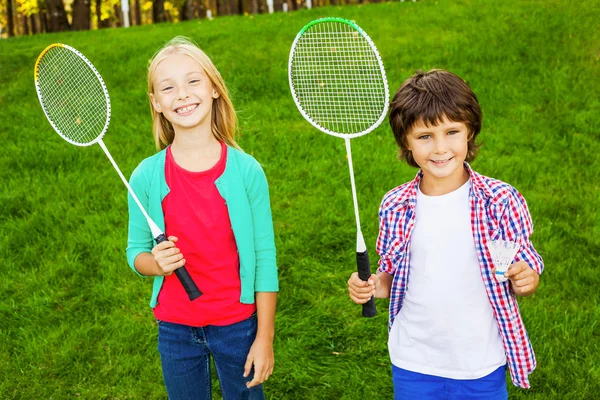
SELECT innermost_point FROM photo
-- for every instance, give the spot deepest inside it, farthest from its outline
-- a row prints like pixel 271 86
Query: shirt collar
pixel 479 188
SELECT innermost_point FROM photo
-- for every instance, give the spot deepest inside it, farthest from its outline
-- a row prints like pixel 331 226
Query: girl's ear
pixel 155 103
pixel 215 93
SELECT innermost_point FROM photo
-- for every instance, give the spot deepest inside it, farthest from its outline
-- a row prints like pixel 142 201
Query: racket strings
pixel 337 78
pixel 72 95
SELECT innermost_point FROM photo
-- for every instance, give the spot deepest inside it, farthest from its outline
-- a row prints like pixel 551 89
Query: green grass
pixel 75 321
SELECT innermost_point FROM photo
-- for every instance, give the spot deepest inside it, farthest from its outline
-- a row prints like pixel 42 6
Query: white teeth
pixel 186 109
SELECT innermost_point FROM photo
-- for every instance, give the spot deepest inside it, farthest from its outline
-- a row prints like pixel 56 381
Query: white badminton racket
pixel 339 85
pixel 76 103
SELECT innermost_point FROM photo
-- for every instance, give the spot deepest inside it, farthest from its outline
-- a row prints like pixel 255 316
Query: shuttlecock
pixel 503 253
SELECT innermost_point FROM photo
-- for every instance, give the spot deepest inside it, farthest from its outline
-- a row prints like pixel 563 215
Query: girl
pixel 212 201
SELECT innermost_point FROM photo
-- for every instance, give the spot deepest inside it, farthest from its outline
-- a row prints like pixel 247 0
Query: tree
pixel 138 12
pixel 10 17
pixel 101 21
pixel 186 12
pixel 81 15
pixel 158 11
pixel 58 17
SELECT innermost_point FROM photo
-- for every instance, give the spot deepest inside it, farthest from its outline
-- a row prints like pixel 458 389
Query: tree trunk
pixel 34 25
pixel 118 13
pixel 81 15
pixel 25 22
pixel 102 23
pixel 43 21
pixel 158 11
pixel 187 11
pixel 58 16
pixel 10 17
pixel 138 12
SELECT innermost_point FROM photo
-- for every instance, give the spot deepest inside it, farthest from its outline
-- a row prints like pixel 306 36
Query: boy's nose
pixel 441 145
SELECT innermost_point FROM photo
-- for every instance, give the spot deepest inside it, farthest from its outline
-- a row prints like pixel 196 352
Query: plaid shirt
pixel 498 212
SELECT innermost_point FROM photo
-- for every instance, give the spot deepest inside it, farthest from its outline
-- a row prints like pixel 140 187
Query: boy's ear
pixel 155 103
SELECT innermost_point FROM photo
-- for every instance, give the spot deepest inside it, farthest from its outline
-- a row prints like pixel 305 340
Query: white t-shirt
pixel 446 326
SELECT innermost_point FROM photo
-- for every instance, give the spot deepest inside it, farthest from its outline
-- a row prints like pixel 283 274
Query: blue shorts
pixel 410 385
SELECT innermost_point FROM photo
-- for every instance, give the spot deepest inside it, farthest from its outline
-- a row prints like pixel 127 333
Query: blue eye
pixel 452 132
pixel 424 137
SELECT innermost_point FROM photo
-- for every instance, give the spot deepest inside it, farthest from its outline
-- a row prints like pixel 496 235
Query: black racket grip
pixel 364 273
pixel 183 275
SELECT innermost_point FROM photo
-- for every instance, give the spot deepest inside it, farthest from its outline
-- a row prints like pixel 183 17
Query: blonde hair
pixel 224 120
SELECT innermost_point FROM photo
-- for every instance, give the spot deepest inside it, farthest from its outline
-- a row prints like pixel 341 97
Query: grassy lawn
pixel 75 321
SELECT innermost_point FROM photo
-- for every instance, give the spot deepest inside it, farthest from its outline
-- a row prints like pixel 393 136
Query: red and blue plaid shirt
pixel 498 212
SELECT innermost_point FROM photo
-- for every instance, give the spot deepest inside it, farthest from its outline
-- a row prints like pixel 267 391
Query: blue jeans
pixel 410 385
pixel 185 353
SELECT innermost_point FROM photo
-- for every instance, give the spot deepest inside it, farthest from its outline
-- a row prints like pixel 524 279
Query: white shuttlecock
pixel 503 253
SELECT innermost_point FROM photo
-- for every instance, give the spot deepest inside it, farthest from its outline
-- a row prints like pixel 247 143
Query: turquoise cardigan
pixel 244 187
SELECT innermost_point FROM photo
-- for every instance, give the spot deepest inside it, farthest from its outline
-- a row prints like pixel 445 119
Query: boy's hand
pixel 261 356
pixel 167 256
pixel 360 291
pixel 523 279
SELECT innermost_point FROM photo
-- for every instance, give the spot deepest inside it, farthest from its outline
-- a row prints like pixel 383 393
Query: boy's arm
pixel 524 273
pixel 385 285
pixel 378 285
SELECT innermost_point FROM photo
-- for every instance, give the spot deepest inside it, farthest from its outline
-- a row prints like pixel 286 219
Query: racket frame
pixel 362 258
pixel 381 68
pixel 159 236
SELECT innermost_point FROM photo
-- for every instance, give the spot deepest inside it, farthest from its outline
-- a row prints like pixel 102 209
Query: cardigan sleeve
pixel 264 237
pixel 139 239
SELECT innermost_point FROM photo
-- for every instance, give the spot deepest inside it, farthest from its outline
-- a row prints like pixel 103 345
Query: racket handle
pixel 364 273
pixel 183 275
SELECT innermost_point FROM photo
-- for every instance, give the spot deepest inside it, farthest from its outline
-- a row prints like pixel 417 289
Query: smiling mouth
pixel 441 162
pixel 186 109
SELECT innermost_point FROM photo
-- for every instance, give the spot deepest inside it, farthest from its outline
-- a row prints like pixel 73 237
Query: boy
pixel 454 328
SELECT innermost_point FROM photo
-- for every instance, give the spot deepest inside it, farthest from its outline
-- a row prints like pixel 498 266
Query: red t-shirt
pixel 196 213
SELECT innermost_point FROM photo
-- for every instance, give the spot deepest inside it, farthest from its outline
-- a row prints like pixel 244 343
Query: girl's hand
pixel 261 356
pixel 167 257
pixel 523 279
pixel 360 291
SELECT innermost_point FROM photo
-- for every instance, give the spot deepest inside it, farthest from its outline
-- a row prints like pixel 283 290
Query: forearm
pixel 266 304
pixel 385 285
pixel 146 265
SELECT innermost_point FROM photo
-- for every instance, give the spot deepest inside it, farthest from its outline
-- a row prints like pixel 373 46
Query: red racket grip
pixel 364 273
pixel 184 276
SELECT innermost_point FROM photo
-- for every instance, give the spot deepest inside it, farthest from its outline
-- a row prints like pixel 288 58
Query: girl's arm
pixel 261 353
pixel 164 259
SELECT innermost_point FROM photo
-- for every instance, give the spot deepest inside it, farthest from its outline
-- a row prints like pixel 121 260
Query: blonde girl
pixel 212 200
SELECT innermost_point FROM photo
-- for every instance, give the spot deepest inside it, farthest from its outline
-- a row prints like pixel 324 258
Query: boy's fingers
pixel 514 270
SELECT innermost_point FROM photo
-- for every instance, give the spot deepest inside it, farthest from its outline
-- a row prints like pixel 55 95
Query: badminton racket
pixel 76 102
pixel 339 85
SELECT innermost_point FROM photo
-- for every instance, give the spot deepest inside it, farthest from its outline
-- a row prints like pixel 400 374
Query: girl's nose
pixel 182 95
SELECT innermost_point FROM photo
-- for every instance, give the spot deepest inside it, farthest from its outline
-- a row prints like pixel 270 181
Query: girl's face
pixel 183 93
pixel 440 150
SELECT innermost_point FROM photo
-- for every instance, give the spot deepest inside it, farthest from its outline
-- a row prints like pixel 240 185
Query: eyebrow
pixel 188 74
pixel 420 131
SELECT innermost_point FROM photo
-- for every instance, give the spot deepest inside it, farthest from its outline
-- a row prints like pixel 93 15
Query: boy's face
pixel 440 151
